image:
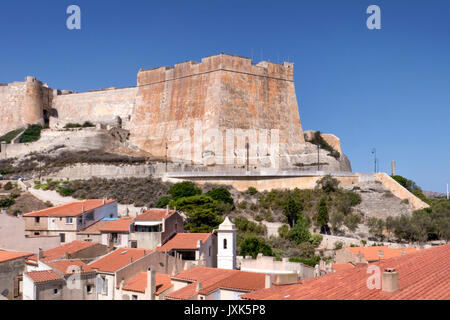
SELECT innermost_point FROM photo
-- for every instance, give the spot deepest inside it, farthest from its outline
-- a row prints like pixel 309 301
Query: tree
pixel 184 189
pixel 292 210
pixel 299 232
pixel 322 215
pixel 162 202
pixel 328 184
pixel 201 211
pixel 221 194
pixel 376 226
pixel 252 246
pixel 352 221
pixel 337 219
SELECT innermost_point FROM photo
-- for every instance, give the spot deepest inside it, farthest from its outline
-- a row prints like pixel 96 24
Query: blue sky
pixel 388 88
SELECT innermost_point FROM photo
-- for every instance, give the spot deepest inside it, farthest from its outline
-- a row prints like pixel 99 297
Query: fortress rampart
pixel 221 93
pixel 23 103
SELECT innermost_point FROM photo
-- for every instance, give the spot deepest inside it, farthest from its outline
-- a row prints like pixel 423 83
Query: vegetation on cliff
pixel 8 137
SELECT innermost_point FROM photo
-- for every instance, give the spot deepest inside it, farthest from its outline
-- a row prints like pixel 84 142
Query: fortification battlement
pixel 220 62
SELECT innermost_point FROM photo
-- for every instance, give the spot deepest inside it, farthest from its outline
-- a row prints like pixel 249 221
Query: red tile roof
pixel 118 259
pixel 119 225
pixel 68 267
pixel 69 248
pixel 184 241
pixel 342 266
pixel 212 279
pixel 12 255
pixel 95 228
pixel 43 276
pixel 139 283
pixel 71 209
pixel 154 215
pixel 372 253
pixel 423 275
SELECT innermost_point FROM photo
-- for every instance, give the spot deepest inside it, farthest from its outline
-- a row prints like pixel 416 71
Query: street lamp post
pixel 318 157
pixel 166 155
pixel 374 152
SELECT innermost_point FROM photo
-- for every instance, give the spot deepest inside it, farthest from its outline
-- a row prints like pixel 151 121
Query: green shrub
pixel 201 211
pixel 337 219
pixel 31 134
pixel 283 231
pixel 72 126
pixel 352 221
pixel 246 226
pixel 252 191
pixel 10 135
pixel 252 246
pixel 6 203
pixel 322 215
pixel 163 202
pixel 221 194
pixel 316 239
pixel 8 186
pixel 307 261
pixel 328 184
pixel 184 189
pixel 242 205
pixel 299 232
pixel 66 192
pixel 338 245
pixel 88 124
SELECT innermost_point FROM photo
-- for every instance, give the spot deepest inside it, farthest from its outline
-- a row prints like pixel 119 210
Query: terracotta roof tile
pixel 118 259
pixel 184 241
pixel 373 253
pixel 68 267
pixel 119 225
pixel 154 215
pixel 43 276
pixel 69 248
pixel 213 278
pixel 423 275
pixel 95 228
pixel 342 266
pixel 139 282
pixel 71 209
pixel 12 255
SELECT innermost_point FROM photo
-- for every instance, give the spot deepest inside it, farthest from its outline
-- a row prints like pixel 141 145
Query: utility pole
pixel 318 157
pixel 247 146
pixel 374 152
pixel 166 155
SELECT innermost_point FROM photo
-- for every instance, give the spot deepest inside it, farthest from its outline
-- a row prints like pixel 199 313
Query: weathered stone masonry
pixel 222 92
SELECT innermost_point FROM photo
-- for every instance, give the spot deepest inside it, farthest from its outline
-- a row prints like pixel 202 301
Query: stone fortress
pixel 204 113
pixel 225 119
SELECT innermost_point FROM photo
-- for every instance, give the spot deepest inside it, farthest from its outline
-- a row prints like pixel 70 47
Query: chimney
pixel 199 243
pixel 151 284
pixel 199 286
pixel 40 254
pixel 390 280
pixel 268 281
pixel 82 208
pixel 104 201
pixel 131 259
pixel 167 210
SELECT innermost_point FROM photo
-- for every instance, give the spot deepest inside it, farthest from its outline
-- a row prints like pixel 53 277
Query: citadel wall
pixel 221 93
pixel 21 103
pixel 103 106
